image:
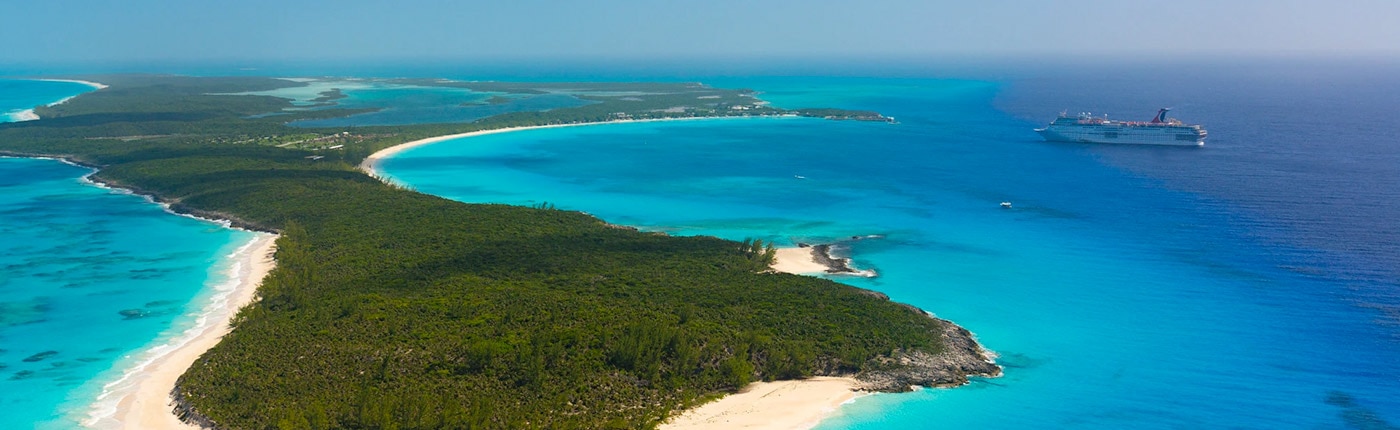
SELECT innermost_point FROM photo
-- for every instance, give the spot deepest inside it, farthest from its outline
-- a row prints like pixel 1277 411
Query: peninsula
pixel 391 308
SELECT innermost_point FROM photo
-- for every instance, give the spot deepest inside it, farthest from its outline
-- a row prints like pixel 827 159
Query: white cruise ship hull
pixel 1090 129
pixel 1123 135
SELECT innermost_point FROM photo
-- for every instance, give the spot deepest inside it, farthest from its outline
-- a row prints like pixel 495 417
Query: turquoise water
pixel 19 97
pixel 90 279
pixel 1130 287
pixel 1253 283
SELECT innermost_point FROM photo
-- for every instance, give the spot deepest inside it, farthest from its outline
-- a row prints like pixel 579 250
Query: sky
pixel 57 31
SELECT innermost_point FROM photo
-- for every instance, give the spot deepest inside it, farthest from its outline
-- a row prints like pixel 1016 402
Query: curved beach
pixel 760 405
pixel 371 163
pixel 789 404
pixel 141 399
pixel 30 115
pixel 94 85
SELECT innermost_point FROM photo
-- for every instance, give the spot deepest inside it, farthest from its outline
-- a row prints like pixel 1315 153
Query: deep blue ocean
pixel 1250 283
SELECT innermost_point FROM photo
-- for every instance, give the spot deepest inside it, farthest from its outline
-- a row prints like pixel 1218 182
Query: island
pixel 389 308
pixel 843 114
pixel 493 100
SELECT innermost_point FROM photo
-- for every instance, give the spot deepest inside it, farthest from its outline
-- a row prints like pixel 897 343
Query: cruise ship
pixel 1099 129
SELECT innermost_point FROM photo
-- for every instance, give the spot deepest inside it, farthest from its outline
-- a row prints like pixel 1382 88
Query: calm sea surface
pixel 1251 283
pixel 19 97
pixel 89 280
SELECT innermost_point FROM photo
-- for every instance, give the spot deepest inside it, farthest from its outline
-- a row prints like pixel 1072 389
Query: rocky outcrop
pixel 183 410
pixel 823 254
pixel 961 357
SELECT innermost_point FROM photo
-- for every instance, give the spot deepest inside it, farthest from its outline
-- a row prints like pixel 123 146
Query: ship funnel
pixel 1161 116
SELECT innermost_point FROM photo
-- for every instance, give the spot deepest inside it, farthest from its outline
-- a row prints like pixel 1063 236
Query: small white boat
pixel 1006 205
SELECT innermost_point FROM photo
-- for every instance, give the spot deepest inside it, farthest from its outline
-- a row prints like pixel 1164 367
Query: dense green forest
pixel 392 309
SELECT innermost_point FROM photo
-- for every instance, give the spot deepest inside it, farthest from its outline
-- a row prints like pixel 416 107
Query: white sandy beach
pixel 770 405
pixel 761 405
pixel 142 396
pixel 76 81
pixel 30 115
pixel 371 163
pixel 24 115
pixel 798 261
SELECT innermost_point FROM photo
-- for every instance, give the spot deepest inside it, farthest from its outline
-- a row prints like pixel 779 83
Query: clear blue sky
pixel 41 31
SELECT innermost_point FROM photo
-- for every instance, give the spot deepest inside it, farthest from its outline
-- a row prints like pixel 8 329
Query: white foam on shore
pixel 370 164
pixel 87 179
pixel 215 310
pixel 94 85
pixel 30 115
pixel 66 99
pixel 22 115
pixel 101 414
pixel 61 101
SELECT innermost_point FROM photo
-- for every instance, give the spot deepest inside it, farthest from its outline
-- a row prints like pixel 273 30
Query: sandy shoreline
pixel 816 260
pixel 24 115
pixel 774 405
pixel 141 398
pixel 762 405
pixel 371 163
pixel 798 260
pixel 30 115
pixel 94 85
pixel 800 404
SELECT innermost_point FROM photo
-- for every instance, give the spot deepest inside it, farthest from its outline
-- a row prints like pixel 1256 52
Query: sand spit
pixel 94 85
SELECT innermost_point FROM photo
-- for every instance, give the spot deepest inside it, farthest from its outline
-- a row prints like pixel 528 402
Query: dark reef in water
pixel 40 356
pixel 132 314
pixel 1357 416
pixel 884 345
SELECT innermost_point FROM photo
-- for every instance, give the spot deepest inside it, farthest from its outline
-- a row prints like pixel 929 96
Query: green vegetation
pixel 329 96
pixel 493 100
pixel 842 114
pixel 391 309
